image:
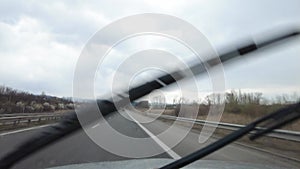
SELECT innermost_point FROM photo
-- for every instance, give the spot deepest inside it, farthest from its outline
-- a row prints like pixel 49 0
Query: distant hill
pixel 16 101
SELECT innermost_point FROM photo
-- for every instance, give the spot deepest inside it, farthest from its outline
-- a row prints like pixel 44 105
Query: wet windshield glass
pixel 147 80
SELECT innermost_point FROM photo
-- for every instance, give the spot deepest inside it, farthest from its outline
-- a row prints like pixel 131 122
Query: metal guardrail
pixel 26 118
pixel 25 114
pixel 280 134
pixel 38 117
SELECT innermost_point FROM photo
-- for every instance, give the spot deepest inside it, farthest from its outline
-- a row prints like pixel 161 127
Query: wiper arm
pixel 71 123
pixel 274 120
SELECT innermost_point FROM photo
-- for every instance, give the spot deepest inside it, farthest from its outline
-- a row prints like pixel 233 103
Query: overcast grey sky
pixel 41 41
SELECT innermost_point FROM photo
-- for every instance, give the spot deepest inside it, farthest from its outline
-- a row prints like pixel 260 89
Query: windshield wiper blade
pixel 71 123
pixel 274 120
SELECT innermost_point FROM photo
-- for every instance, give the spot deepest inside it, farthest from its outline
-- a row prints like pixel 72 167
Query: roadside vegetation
pixel 240 108
pixel 15 101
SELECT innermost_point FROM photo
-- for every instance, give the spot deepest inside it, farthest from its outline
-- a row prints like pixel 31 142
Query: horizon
pixel 290 97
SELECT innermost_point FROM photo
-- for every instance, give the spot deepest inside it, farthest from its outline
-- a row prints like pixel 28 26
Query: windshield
pixel 85 82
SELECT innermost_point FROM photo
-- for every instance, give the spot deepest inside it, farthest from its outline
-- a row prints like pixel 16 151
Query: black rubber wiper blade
pixel 71 124
pixel 276 119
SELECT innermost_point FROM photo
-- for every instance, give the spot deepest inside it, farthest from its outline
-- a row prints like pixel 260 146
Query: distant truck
pixel 142 104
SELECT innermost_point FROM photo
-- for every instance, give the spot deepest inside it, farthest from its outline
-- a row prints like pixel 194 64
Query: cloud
pixel 32 60
pixel 40 42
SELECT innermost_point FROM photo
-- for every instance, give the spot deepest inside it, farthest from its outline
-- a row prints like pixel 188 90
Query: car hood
pixel 155 163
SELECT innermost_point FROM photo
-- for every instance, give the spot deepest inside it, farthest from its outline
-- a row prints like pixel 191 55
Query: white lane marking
pixel 158 141
pixel 22 130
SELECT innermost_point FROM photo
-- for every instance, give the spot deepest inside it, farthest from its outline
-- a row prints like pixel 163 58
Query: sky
pixel 40 41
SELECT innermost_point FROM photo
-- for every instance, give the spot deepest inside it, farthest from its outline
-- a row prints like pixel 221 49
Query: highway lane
pixel 78 148
pixel 232 152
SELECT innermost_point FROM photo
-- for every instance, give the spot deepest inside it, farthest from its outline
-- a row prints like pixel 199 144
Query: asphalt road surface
pixel 79 148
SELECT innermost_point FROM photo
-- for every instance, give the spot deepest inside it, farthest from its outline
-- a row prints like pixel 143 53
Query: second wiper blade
pixel 276 119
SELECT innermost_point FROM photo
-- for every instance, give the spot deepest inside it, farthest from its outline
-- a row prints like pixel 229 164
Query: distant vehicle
pixel 142 104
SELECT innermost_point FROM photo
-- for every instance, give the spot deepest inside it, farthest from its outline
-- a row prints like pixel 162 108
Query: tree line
pixel 237 102
pixel 16 101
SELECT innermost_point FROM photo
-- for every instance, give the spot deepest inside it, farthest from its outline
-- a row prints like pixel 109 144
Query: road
pixel 79 148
